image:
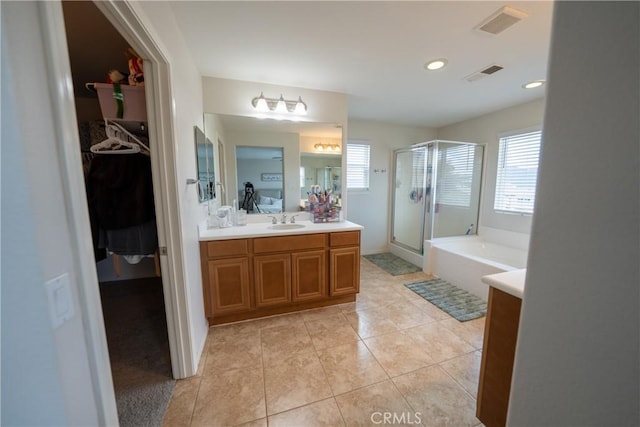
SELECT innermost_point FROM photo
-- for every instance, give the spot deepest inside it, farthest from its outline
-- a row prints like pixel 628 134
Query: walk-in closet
pixel 108 79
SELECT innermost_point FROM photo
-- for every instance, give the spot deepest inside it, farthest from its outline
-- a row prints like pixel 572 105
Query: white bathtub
pixel 464 260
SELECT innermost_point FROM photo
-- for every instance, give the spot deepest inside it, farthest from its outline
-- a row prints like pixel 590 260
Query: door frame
pixel 124 17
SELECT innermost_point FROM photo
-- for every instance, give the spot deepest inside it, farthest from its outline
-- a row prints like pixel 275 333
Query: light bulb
pixel 281 106
pixel 261 104
pixel 301 107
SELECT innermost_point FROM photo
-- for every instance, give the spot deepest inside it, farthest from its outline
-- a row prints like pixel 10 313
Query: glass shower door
pixel 410 194
pixel 457 193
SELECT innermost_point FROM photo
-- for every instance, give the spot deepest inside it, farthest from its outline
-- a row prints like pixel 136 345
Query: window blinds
pixel 455 175
pixel 518 157
pixel 357 166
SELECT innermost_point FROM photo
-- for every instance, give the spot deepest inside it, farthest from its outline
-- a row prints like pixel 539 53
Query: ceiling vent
pixel 501 20
pixel 487 71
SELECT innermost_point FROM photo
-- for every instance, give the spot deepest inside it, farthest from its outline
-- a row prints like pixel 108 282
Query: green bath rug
pixel 455 301
pixel 392 264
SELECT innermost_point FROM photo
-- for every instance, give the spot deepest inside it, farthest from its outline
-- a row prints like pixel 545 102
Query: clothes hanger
pixel 114 145
pixel 122 129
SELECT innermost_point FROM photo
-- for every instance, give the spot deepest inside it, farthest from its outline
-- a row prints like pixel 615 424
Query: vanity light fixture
pixel 279 105
pixel 436 64
pixel 330 148
pixel 533 84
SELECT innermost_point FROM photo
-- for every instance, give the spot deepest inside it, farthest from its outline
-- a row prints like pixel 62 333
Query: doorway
pixel 260 173
pixel 123 221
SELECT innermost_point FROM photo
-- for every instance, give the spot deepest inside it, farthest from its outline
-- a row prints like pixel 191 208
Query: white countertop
pixel 511 282
pixel 261 229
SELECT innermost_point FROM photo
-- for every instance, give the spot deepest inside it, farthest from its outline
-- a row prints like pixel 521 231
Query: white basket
pixel 135 104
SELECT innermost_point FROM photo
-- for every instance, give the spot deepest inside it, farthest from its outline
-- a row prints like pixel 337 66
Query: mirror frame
pixel 205 167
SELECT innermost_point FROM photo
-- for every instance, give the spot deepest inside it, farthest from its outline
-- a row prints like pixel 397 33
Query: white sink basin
pixel 286 226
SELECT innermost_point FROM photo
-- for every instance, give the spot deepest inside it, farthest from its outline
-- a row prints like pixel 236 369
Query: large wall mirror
pixel 281 160
pixel 205 165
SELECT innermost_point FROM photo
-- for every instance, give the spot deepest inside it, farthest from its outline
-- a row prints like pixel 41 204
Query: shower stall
pixel 436 192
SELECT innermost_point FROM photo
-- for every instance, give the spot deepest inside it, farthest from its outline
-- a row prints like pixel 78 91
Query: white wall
pixel 45 372
pixel 372 209
pixel 578 352
pixel 486 130
pixel 187 110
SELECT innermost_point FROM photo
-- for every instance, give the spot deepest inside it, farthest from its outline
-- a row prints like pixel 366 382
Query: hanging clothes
pixel 120 197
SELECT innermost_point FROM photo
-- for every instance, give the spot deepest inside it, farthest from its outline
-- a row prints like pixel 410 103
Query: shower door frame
pixel 433 190
pixel 423 146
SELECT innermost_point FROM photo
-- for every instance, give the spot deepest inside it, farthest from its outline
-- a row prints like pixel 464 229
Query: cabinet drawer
pixel 345 238
pixel 225 248
pixel 289 243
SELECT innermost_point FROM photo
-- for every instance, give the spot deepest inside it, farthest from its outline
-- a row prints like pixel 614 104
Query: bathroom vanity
pixel 263 269
pixel 498 350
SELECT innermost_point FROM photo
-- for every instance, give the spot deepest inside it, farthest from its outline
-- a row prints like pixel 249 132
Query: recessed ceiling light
pixel 436 64
pixel 533 84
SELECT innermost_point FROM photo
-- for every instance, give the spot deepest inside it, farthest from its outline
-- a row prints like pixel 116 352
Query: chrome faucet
pixel 274 220
pixel 293 219
pixel 283 220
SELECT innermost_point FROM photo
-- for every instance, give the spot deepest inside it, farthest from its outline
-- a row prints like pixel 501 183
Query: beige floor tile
pixel 350 366
pixel 331 331
pixel 323 413
pixel 295 381
pixel 370 323
pixel 437 397
pixel 367 406
pixel 440 343
pixel 225 334
pixel 465 370
pixel 471 331
pixel 262 422
pixel 281 320
pixel 281 341
pixel 398 353
pixel 321 313
pixel 230 398
pixel 407 315
pixel 182 402
pixel 245 351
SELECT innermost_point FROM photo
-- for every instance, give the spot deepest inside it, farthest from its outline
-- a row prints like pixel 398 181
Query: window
pixel 518 157
pixel 357 166
pixel 455 175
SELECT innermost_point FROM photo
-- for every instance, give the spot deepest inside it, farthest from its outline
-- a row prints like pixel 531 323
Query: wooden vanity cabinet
pixel 262 276
pixel 227 280
pixel 498 353
pixel 294 270
pixel 344 263
pixel 272 279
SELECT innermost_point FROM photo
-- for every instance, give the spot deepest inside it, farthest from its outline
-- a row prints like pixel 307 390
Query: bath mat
pixel 392 264
pixel 455 301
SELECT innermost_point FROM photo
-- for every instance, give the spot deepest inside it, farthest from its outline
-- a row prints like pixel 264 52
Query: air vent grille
pixel 486 71
pixel 492 69
pixel 501 20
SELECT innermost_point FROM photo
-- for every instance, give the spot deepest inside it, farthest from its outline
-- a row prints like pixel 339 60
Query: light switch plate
pixel 60 299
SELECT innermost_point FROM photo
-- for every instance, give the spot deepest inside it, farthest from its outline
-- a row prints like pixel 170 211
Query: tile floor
pixel 390 354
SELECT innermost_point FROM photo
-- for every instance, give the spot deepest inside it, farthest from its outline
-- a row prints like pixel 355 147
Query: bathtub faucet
pixel 469 230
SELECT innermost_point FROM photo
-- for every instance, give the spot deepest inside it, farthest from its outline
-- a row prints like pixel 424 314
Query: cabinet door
pixel 344 271
pixel 229 285
pixel 272 279
pixel 308 275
